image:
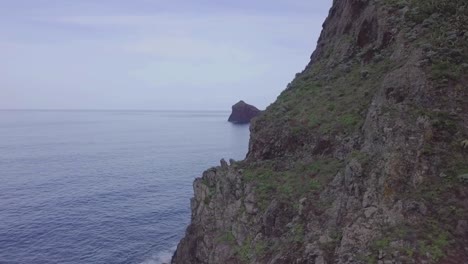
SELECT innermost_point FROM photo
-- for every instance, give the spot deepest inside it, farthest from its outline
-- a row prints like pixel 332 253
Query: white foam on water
pixel 162 257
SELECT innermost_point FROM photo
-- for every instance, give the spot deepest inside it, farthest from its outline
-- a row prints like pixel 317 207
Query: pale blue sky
pixel 152 54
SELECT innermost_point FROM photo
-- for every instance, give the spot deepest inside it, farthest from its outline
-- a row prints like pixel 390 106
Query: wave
pixel 162 257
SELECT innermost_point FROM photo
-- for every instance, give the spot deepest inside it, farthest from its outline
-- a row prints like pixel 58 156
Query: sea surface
pixel 104 186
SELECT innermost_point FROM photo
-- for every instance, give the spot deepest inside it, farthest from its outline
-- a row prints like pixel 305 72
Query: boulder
pixel 242 113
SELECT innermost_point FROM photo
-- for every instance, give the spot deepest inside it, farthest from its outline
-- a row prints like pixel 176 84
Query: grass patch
pixel 297 233
pixel 446 70
pixel 250 250
pixel 227 238
pixel 349 120
pixel 290 183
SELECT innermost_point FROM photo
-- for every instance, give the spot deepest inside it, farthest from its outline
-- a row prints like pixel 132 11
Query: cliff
pixel 362 159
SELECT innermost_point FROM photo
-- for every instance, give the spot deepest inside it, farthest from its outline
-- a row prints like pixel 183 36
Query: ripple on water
pixel 104 187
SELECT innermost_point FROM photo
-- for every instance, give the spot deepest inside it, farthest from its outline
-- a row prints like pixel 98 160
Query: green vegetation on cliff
pixel 363 157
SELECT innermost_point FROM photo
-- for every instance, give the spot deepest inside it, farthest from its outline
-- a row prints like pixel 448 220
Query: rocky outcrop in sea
pixel 243 113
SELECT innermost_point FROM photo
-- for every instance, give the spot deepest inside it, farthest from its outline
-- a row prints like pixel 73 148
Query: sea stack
pixel 242 113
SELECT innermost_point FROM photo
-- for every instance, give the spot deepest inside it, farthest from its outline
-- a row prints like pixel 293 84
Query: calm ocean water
pixel 104 186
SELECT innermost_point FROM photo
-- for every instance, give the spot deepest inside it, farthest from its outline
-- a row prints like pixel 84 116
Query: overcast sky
pixel 152 54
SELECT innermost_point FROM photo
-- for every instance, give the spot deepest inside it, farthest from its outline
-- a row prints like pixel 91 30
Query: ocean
pixel 104 186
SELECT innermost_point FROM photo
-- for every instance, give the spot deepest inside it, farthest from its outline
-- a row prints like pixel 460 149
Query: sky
pixel 153 54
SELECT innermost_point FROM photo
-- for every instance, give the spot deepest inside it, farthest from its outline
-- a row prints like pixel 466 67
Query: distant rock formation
pixel 242 113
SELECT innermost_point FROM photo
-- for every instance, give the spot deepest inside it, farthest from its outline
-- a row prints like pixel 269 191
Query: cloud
pixel 188 48
pixel 199 36
pixel 196 74
pixel 102 20
pixel 176 21
pixel 137 52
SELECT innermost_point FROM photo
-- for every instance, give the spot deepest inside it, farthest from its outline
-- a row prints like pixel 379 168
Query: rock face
pixel 243 113
pixel 362 159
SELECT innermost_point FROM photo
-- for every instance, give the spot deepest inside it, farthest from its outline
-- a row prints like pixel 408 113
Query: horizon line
pixel 108 110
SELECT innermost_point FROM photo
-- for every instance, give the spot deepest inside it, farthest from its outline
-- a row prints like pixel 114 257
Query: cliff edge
pixel 362 159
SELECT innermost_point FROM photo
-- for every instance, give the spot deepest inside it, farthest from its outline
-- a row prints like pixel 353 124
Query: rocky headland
pixel 363 158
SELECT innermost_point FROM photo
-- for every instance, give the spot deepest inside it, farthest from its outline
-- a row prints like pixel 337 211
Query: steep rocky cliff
pixel 362 159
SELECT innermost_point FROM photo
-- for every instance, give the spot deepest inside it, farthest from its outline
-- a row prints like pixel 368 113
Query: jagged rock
pixel 302 202
pixel 462 227
pixel 242 113
pixel 224 164
pixel 463 177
